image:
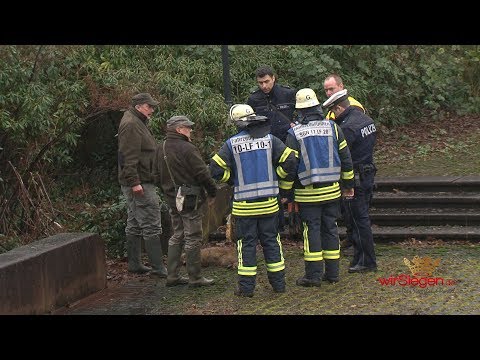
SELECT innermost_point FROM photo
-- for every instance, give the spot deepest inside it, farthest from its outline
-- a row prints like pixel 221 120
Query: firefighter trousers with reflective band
pixel 320 237
pixel 250 231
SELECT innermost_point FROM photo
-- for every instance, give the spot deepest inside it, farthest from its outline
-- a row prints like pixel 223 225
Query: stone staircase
pixel 442 208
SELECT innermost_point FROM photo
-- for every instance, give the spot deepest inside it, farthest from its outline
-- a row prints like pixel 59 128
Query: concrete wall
pixel 52 272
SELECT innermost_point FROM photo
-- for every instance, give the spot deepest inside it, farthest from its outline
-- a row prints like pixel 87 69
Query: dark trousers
pixel 361 230
pixel 281 215
pixel 347 221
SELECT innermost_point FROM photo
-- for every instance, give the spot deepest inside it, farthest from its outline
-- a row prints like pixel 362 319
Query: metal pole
pixel 226 76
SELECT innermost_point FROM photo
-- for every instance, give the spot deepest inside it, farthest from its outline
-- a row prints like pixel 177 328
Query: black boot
pixel 331 271
pixel 313 274
pixel 277 280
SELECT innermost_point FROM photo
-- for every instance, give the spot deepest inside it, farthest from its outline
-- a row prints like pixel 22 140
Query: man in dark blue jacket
pixel 277 103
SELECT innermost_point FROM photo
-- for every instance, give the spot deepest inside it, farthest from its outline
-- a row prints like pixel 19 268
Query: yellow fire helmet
pixel 306 98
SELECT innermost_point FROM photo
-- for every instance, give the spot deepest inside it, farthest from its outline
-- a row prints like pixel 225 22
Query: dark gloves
pixel 286 194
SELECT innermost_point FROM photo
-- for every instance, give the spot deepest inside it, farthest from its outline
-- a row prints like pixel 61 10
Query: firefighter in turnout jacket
pixel 324 161
pixel 256 163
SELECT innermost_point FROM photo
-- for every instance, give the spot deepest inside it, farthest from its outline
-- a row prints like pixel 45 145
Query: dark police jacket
pixel 360 133
pixel 278 105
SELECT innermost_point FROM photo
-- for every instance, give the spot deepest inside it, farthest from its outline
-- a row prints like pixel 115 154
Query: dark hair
pixel 264 71
pixel 337 78
pixel 345 103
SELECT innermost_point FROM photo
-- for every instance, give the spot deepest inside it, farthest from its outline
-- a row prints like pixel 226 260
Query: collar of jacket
pixel 273 92
pixel 173 135
pixel 339 119
pixel 138 114
pixel 311 117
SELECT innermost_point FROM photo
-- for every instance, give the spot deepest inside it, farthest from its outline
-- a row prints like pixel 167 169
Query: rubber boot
pixel 313 274
pixel 277 280
pixel 134 251
pixel 194 266
pixel 153 246
pixel 332 271
pixel 173 266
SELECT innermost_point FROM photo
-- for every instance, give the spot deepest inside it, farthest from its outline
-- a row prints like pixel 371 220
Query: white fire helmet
pixel 306 98
pixel 241 112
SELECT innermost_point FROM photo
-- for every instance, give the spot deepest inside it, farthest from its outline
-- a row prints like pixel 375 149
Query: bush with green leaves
pixel 49 94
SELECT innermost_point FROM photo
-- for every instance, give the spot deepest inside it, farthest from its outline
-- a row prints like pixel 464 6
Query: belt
pixel 259 199
pixel 365 168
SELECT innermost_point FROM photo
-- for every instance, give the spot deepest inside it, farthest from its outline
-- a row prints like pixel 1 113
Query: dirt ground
pixel 453 288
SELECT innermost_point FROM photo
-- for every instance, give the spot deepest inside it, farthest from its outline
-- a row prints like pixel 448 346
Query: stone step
pixel 421 199
pixel 427 218
pixel 400 233
pixel 429 183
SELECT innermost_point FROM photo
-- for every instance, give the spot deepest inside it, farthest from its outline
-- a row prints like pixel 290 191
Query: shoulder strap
pixel 274 107
pixel 166 162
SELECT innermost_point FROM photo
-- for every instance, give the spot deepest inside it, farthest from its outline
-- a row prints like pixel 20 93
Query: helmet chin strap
pixel 310 114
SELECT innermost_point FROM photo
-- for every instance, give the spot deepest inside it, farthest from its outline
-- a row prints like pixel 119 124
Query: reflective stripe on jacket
pixel 256 167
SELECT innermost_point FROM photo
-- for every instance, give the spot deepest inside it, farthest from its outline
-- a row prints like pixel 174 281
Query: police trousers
pixel 358 215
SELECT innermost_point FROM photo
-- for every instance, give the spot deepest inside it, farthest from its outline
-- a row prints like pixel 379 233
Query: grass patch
pixel 429 155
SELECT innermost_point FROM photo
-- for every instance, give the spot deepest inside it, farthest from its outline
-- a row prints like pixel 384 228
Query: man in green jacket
pixel 186 183
pixel 136 152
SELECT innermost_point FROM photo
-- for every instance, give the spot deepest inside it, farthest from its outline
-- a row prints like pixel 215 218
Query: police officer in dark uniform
pixel 333 83
pixel 277 103
pixel 361 135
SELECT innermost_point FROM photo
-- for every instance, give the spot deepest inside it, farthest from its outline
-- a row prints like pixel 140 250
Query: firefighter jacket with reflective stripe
pixel 256 167
pixel 324 160
pixel 353 102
